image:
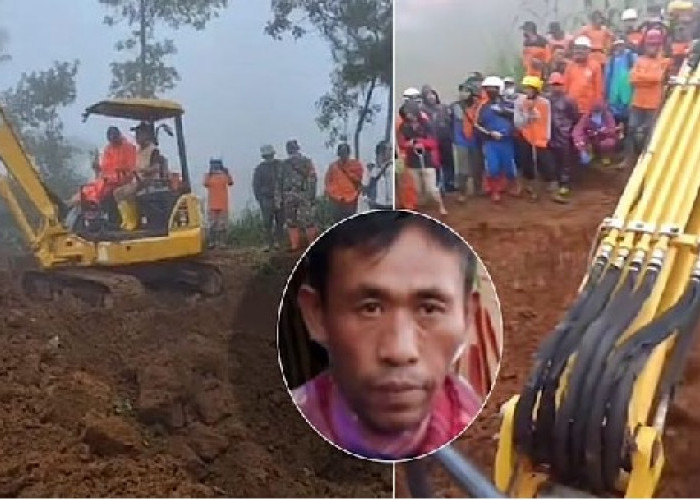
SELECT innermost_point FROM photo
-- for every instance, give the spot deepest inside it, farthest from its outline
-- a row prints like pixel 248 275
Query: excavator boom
pixel 593 411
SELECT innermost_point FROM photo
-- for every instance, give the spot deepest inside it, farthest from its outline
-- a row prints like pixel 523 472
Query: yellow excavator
pixel 80 249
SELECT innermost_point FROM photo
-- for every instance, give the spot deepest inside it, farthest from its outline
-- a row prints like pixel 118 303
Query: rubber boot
pixel 294 236
pixel 563 195
pixel 129 215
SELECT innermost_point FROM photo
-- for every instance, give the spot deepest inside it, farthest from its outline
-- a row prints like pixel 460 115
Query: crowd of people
pixel 592 95
pixel 286 190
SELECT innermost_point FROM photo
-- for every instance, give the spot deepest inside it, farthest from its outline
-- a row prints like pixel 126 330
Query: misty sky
pixel 240 88
pixel 440 42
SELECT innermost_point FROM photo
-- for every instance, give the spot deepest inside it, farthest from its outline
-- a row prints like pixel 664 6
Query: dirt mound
pixel 168 399
pixel 537 255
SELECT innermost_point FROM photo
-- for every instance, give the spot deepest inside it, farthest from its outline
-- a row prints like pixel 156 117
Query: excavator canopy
pixel 146 110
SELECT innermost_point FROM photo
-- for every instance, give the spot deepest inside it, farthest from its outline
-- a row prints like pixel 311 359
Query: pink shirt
pixel 454 408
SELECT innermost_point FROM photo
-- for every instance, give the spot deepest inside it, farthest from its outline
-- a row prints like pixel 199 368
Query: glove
pixel 586 157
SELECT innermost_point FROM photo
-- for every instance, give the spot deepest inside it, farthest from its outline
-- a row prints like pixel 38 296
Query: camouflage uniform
pixel 299 191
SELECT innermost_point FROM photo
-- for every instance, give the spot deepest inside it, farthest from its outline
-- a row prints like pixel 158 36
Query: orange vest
pixel 584 84
pixel 118 162
pixel 537 132
pixel 217 185
pixel 648 78
pixel 343 182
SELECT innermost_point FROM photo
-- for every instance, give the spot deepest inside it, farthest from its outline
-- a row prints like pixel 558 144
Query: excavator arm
pixel 48 239
pixel 592 413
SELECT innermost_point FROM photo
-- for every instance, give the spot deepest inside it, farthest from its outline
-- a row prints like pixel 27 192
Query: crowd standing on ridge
pixel 592 95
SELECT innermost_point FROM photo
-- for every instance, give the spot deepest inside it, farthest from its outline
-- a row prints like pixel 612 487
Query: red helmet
pixel 556 79
pixel 654 37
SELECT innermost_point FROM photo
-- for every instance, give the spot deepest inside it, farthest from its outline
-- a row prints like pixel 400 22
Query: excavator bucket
pixel 591 416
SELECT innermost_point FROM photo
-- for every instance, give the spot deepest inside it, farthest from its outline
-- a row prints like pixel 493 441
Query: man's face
pixel 114 137
pixel 630 24
pixel 143 138
pixel 392 325
pixel 619 48
pixel 431 98
pixel 580 53
pixel 343 154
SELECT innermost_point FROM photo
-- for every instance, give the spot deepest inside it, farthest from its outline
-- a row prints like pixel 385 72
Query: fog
pixel 240 88
pixel 441 41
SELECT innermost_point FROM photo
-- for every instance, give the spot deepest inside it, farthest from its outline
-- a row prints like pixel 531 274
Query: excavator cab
pixel 98 218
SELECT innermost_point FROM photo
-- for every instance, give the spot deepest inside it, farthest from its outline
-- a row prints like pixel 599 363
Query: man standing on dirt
pixel 218 182
pixel 267 188
pixel 387 296
pixel 343 183
pixel 299 196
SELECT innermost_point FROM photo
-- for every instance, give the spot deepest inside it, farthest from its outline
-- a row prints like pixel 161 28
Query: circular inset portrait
pixel 389 335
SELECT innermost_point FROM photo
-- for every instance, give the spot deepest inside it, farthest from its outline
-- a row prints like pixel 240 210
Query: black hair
pixel 381 147
pixel 375 232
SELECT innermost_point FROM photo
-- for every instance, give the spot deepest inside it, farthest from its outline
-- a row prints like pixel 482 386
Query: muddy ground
pixel 537 256
pixel 161 399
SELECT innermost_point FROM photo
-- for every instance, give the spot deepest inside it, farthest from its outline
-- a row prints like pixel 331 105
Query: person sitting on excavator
pixel 118 158
pixel 112 169
pixel 150 165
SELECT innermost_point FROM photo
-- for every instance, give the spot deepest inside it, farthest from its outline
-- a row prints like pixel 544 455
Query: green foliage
pixel 248 230
pixel 359 34
pixel 148 74
pixel 33 106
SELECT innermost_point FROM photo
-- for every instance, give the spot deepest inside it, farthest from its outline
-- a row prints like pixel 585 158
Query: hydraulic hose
pixel 469 478
pixel 607 428
pixel 591 356
pixel 534 436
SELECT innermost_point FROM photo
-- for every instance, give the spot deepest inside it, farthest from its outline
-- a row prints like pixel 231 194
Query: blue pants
pixel 500 158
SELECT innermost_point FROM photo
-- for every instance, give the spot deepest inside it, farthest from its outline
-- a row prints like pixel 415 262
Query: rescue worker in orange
pixel 118 158
pixel 535 50
pixel 600 36
pixel 113 169
pixel 583 78
pixel 343 183
pixel 218 181
pixel 633 33
pixel 648 78
pixel 533 118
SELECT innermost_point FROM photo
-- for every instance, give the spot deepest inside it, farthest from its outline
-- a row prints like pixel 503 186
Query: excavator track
pixel 105 288
pixel 94 287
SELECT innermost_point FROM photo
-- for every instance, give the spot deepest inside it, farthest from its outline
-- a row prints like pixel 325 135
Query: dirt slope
pixel 163 399
pixel 536 254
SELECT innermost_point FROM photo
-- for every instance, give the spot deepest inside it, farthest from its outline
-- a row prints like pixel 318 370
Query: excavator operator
pixel 150 165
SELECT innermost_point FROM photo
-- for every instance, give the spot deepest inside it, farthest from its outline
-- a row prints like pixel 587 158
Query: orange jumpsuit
pixel 217 185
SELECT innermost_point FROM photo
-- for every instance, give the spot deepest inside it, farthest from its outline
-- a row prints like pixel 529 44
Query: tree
pixel 359 34
pixel 148 75
pixel 33 106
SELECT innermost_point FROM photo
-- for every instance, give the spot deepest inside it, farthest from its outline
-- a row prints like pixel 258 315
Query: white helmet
pixel 411 93
pixel 583 41
pixel 509 80
pixel 630 15
pixel 493 81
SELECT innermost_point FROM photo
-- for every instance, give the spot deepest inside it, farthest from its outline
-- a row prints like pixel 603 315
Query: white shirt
pixel 385 186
